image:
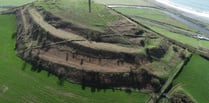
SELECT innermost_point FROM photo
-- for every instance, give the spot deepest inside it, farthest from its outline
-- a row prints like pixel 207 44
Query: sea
pixel 199 8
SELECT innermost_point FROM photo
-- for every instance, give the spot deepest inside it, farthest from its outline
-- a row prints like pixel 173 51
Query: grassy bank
pixel 127 2
pixel 19 84
pixel 195 79
pixel 153 14
pixel 181 38
pixel 176 36
pixel 1 9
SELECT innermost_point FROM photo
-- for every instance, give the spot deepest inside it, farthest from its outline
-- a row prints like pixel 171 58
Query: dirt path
pixel 71 36
pixel 25 23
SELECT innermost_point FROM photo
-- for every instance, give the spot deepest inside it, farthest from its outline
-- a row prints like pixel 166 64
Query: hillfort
pixel 104 48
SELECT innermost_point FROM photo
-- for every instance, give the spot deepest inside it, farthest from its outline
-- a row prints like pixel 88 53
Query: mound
pixel 101 48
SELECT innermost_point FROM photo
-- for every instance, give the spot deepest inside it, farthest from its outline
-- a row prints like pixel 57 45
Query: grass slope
pixel 195 79
pixel 76 12
pixel 1 9
pixel 153 15
pixel 19 84
pixel 181 38
pixel 161 17
pixel 178 37
pixel 127 2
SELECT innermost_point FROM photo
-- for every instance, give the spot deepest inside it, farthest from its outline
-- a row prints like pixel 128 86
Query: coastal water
pixel 198 8
pixel 197 5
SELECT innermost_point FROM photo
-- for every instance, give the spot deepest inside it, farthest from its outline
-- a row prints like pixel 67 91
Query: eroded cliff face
pixel 69 59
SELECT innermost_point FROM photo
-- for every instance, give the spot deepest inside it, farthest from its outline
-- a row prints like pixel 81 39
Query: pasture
pixel 194 79
pixel 126 2
pixel 153 14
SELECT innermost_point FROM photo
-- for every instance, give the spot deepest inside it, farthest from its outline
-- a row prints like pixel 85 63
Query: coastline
pixel 182 11
pixel 192 20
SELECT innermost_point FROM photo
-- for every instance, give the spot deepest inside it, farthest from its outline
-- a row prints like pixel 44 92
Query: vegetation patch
pixel 1 9
pixel 156 21
pixel 178 37
pixel 153 14
pixel 77 12
pixel 168 63
pixel 127 2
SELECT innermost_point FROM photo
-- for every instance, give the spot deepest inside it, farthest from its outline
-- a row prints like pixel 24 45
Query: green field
pixel 128 2
pixel 194 79
pixel 77 12
pixel 161 17
pixel 153 15
pixel 19 84
pixel 1 9
pixel 178 37
pixel 14 2
pixel 181 38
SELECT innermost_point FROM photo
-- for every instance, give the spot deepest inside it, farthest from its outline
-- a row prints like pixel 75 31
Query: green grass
pixel 165 65
pixel 1 9
pixel 178 37
pixel 150 43
pixel 182 38
pixel 76 11
pixel 18 84
pixel 15 2
pixel 195 79
pixel 128 2
pixel 153 15
pixel 156 15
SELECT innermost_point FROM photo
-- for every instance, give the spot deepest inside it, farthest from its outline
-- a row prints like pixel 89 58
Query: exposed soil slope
pixel 87 56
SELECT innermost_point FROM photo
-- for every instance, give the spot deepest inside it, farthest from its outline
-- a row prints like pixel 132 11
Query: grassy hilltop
pixel 77 12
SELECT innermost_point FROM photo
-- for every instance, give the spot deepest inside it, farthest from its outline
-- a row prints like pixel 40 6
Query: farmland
pixel 22 84
pixel 152 14
pixel 127 2
pixel 194 79
pixel 170 32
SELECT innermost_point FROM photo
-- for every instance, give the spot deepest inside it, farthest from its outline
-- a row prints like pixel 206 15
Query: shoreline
pixel 183 11
pixel 197 22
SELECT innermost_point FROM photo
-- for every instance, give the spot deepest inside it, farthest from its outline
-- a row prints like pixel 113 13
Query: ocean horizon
pixel 199 8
